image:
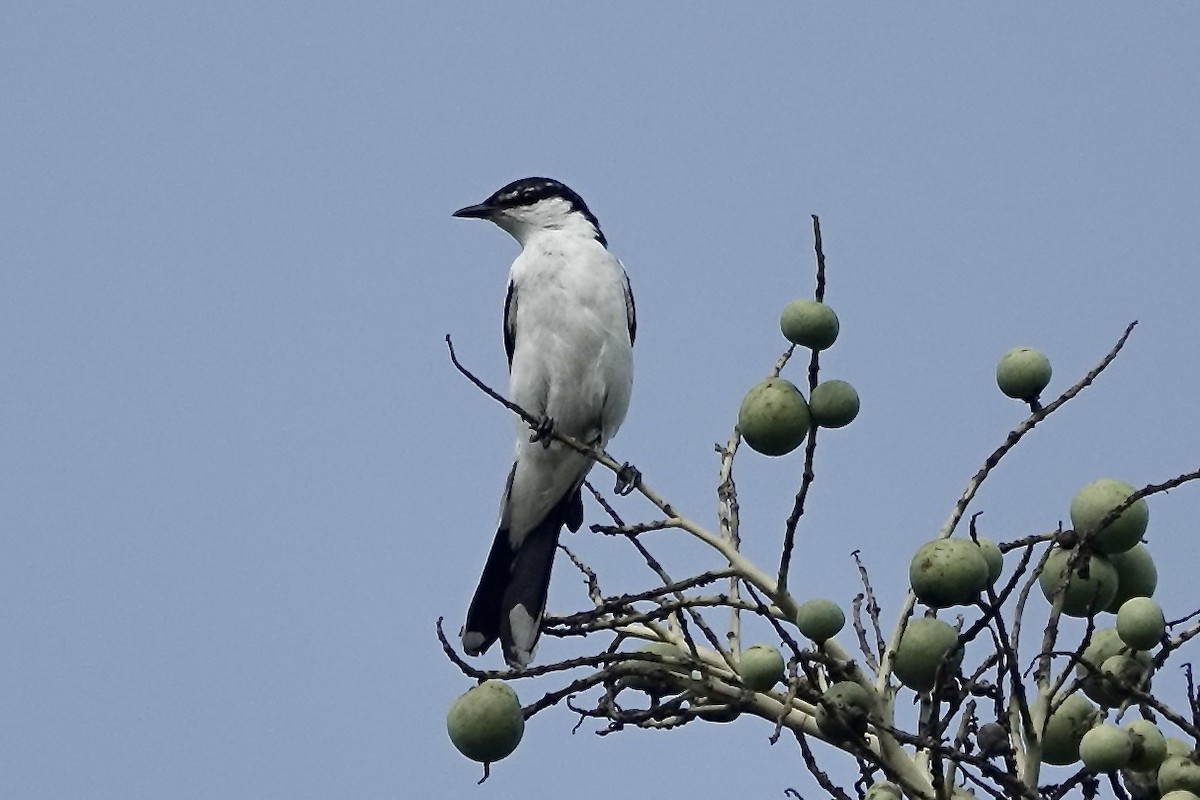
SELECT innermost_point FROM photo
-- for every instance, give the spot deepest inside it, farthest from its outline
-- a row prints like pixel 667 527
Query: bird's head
pixel 533 205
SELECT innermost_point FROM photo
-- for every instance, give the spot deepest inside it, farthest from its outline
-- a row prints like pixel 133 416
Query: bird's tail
pixel 511 597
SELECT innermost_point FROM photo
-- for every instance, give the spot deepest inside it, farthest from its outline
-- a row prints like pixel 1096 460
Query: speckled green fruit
pixel 809 324
pixel 486 723
pixel 1083 595
pixel 923 647
pixel 1105 748
pixel 1178 747
pixel 773 418
pixel 1092 504
pixel 1140 623
pixel 820 620
pixel 1136 575
pixel 1104 647
pixel 843 709
pixel 1105 643
pixel 1065 729
pixel 1179 773
pixel 1149 745
pixel 1022 373
pixel 993 557
pixel 948 572
pixel 883 790
pixel 760 667
pixel 1180 794
pixel 833 404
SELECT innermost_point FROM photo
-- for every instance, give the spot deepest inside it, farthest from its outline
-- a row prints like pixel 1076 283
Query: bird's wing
pixel 510 321
pixel 630 308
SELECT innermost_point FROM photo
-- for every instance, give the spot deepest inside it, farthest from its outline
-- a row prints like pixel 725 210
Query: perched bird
pixel 569 326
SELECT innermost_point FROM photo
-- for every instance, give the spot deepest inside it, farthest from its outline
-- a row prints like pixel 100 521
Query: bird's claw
pixel 628 479
pixel 543 432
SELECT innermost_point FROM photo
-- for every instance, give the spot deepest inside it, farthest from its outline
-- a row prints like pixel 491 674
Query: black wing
pixel 630 312
pixel 510 321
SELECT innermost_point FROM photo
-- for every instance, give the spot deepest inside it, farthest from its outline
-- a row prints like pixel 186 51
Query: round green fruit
pixel 1065 728
pixel 820 620
pixel 1136 575
pixel 833 404
pixel 843 709
pixel 809 324
pixel 883 790
pixel 760 667
pixel 1178 747
pixel 1105 748
pixel 1109 657
pixel 948 572
pixel 1149 745
pixel 1092 504
pixel 773 418
pixel 1083 595
pixel 486 723
pixel 1180 794
pixel 1140 623
pixel 923 648
pixel 993 557
pixel 1022 373
pixel 1179 773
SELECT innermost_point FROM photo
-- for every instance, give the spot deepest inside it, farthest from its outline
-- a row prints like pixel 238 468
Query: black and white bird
pixel 569 326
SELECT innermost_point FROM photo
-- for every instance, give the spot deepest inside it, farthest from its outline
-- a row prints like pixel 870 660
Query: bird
pixel 569 328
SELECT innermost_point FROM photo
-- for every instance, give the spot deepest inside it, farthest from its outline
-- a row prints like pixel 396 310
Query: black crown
pixel 528 191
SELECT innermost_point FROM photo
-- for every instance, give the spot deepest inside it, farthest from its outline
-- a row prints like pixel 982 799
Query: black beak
pixel 481 211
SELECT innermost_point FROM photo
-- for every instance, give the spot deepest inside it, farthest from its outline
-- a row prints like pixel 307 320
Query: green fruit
pixel 993 557
pixel 820 620
pixel 1065 728
pixel 833 404
pixel 948 572
pixel 1136 575
pixel 1104 646
pixel 842 710
pixel 1149 745
pixel 760 667
pixel 1180 794
pixel 1178 747
pixel 1084 595
pixel 1105 748
pixel 773 418
pixel 883 790
pixel 923 648
pixel 1140 623
pixel 1093 502
pixel 1022 373
pixel 486 723
pixel 1179 773
pixel 809 324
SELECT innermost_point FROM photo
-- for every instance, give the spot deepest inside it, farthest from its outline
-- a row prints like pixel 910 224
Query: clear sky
pixel 240 480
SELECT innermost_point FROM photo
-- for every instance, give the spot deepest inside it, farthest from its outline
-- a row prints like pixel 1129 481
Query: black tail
pixel 511 596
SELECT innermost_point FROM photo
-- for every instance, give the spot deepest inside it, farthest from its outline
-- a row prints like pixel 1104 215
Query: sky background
pixel 240 480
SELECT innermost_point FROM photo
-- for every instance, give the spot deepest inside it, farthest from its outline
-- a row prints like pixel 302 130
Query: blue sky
pixel 239 479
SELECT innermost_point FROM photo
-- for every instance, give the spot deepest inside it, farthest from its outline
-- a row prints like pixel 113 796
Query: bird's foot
pixel 628 479
pixel 543 432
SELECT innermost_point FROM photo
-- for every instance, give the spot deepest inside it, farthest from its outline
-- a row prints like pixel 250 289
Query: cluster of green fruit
pixel 486 723
pixel 1112 572
pixel 774 417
